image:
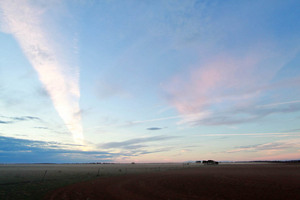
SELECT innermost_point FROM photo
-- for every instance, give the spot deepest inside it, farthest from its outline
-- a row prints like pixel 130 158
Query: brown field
pixel 225 181
pixel 33 181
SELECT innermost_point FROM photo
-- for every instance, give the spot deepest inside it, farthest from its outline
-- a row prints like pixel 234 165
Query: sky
pixel 149 81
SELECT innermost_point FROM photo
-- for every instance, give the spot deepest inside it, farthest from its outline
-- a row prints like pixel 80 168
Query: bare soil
pixel 236 181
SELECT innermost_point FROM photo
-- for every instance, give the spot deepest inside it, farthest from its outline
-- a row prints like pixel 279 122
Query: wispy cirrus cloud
pixel 227 91
pixel 247 114
pixel 10 120
pixel 280 134
pixel 29 22
pixel 279 103
pixel 134 143
pixel 25 118
pixel 41 127
pixel 286 146
pixel 184 119
pixel 5 122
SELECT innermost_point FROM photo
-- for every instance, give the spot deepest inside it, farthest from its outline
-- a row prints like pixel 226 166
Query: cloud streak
pixel 270 147
pixel 154 128
pixel 248 114
pixel 279 103
pixel 17 119
pixel 5 122
pixel 134 143
pixel 27 23
pixel 227 91
pixel 281 134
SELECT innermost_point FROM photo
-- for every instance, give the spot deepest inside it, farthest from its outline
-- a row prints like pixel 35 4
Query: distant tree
pixel 210 162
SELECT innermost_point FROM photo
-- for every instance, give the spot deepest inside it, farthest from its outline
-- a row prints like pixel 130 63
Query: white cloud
pixel 26 21
pixel 269 148
pixel 279 103
pixel 283 134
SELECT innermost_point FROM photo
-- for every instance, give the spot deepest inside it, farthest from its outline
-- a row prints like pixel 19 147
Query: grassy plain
pixel 33 181
pixel 272 181
pixel 150 181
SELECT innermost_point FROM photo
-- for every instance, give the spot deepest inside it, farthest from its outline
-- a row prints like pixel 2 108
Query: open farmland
pixel 32 181
pixel 150 181
pixel 232 181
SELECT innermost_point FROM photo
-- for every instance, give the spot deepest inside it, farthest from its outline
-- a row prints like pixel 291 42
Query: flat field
pixel 236 181
pixel 33 181
pixel 150 181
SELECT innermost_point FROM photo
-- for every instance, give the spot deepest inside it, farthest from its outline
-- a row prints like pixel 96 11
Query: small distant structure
pixel 133 163
pixel 210 162
pixel 198 162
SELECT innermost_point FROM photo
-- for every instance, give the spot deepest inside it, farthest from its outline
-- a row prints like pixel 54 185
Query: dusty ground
pixel 247 181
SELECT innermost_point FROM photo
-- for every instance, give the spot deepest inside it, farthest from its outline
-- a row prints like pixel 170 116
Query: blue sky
pixel 149 81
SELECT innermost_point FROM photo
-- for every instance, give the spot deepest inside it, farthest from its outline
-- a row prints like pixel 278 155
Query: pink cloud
pixel 213 82
pixel 280 150
pixel 227 84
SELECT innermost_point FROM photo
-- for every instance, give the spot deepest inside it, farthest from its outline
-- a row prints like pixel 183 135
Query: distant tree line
pixel 208 162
